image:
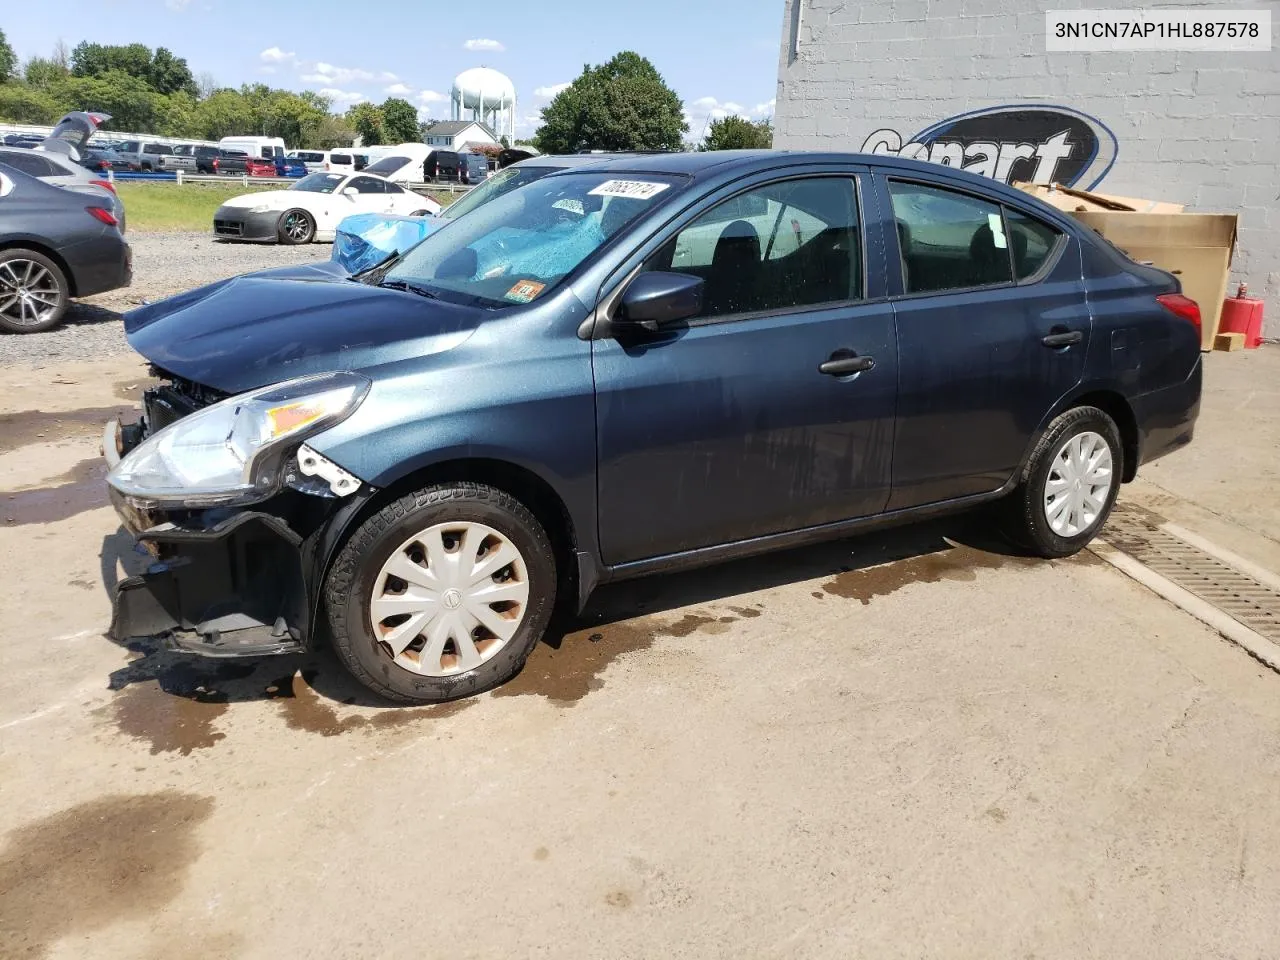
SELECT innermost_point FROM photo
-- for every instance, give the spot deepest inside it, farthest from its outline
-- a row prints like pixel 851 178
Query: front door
pixel 726 428
pixel 992 333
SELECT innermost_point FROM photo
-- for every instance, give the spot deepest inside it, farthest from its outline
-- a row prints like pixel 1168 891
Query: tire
pixel 44 283
pixel 420 213
pixel 296 227
pixel 1043 525
pixel 398 534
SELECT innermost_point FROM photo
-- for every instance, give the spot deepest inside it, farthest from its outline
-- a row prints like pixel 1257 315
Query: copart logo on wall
pixel 1031 141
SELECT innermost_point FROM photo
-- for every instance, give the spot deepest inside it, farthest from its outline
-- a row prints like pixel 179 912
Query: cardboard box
pixel 1071 201
pixel 1229 341
pixel 1194 247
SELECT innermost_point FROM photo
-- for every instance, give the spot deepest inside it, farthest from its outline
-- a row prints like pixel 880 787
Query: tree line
pixel 620 105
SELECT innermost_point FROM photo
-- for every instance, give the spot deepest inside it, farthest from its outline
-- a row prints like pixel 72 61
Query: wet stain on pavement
pixel 619 899
pixel 541 853
pixel 959 563
pixel 749 613
pixel 26 427
pixel 568 671
pixel 81 488
pixel 305 710
pixel 168 722
pixel 112 859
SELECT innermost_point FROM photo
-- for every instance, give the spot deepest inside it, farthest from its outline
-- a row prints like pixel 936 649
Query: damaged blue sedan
pixel 633 366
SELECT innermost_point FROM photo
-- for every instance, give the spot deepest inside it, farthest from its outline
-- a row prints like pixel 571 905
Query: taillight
pixel 104 183
pixel 106 216
pixel 1184 307
pixel 215 164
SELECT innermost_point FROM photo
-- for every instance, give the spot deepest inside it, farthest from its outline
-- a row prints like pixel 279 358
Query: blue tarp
pixel 365 239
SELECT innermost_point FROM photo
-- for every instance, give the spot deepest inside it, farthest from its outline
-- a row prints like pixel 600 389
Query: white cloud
pixel 484 44
pixel 551 90
pixel 276 55
pixel 700 113
pixel 398 90
pixel 706 103
pixel 431 96
pixel 765 109
pixel 341 96
pixel 732 107
pixel 177 5
pixel 322 72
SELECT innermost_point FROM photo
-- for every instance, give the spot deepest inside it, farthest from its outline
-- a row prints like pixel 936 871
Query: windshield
pixel 500 183
pixel 388 166
pixel 319 182
pixel 516 248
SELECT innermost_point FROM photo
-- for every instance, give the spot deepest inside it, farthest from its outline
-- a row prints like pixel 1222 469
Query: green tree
pixel 130 101
pixel 224 113
pixel 96 59
pixel 622 105
pixel 366 120
pixel 8 59
pixel 42 73
pixel 399 121
pixel 331 132
pixel 22 104
pixel 169 74
pixel 177 115
pixel 738 133
pixel 293 117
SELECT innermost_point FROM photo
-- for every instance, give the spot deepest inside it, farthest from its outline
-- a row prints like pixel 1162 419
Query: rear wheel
pixel 296 226
pixel 34 293
pixel 441 594
pixel 1070 484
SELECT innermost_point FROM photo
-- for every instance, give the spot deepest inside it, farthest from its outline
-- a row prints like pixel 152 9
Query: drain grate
pixel 1138 533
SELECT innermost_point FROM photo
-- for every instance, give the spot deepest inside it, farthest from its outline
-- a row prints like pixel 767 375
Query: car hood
pixel 274 199
pixel 262 328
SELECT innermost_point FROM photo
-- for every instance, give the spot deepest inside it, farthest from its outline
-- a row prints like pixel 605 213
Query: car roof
pixel 730 164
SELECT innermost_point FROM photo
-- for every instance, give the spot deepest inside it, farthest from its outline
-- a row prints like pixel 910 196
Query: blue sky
pixel 719 55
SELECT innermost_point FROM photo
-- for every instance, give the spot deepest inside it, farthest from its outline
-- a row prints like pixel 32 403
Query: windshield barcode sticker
pixel 635 189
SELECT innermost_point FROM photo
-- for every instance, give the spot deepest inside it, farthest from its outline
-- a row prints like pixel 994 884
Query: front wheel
pixel 441 594
pixel 34 293
pixel 296 227
pixel 1069 486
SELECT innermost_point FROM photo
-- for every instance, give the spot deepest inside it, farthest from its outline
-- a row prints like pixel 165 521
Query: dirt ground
pixel 907 745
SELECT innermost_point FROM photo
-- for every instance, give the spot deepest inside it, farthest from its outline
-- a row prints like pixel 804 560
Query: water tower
pixel 489 96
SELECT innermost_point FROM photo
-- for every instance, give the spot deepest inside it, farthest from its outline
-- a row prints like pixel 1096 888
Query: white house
pixel 457 134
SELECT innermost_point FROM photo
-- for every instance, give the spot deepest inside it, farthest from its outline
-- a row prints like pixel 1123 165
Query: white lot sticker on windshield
pixel 997 230
pixel 635 189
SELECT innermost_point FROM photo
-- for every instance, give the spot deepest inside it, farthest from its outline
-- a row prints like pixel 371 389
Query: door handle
pixel 845 362
pixel 1062 338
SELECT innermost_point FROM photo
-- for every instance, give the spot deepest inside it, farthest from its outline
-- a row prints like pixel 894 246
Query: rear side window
pixel 340 158
pixel 948 240
pixel 31 163
pixel 1030 241
pixel 368 185
pixel 157 148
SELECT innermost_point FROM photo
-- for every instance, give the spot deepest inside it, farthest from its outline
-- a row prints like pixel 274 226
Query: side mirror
pixel 655 299
pixel 351 192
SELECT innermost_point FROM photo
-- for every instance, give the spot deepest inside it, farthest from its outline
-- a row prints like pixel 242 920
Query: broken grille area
pixel 1138 533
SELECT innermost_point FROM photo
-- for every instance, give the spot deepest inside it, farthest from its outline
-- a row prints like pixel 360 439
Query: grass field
pixel 169 208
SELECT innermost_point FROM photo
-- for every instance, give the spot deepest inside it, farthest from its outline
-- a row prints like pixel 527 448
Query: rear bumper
pixel 232 223
pixel 101 264
pixel 1167 418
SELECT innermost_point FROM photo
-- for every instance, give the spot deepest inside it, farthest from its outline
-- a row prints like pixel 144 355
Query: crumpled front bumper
pixel 227 582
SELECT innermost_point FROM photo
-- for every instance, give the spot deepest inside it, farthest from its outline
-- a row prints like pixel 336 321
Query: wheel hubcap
pixel 449 598
pixel 295 226
pixel 28 292
pixel 1078 484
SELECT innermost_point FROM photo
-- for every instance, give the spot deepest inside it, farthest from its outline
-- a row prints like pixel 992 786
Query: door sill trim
pixel 705 556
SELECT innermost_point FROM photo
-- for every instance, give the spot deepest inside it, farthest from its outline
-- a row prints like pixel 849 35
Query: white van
pixel 401 163
pixel 268 148
pixel 346 161
pixel 314 160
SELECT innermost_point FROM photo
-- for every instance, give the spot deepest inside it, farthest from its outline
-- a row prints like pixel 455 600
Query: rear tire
pixel 1069 485
pixel 415 559
pixel 34 292
pixel 296 227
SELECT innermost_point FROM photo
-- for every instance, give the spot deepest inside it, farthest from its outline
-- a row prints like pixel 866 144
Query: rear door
pixel 727 428
pixel 993 329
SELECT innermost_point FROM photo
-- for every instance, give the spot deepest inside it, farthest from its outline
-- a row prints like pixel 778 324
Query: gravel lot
pixel 163 264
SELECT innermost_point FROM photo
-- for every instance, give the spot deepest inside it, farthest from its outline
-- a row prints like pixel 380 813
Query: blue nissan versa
pixel 621 368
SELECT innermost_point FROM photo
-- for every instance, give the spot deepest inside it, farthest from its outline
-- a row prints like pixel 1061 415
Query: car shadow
pixel 81 314
pixel 264 678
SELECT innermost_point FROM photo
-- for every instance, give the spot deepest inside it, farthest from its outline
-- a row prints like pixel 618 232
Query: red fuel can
pixel 1243 314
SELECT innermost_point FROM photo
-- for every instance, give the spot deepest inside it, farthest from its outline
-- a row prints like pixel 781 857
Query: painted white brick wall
pixel 1196 128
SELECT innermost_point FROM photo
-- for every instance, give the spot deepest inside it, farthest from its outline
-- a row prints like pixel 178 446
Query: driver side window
pixel 795 243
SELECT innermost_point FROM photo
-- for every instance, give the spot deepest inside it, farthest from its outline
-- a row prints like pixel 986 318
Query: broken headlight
pixel 232 452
